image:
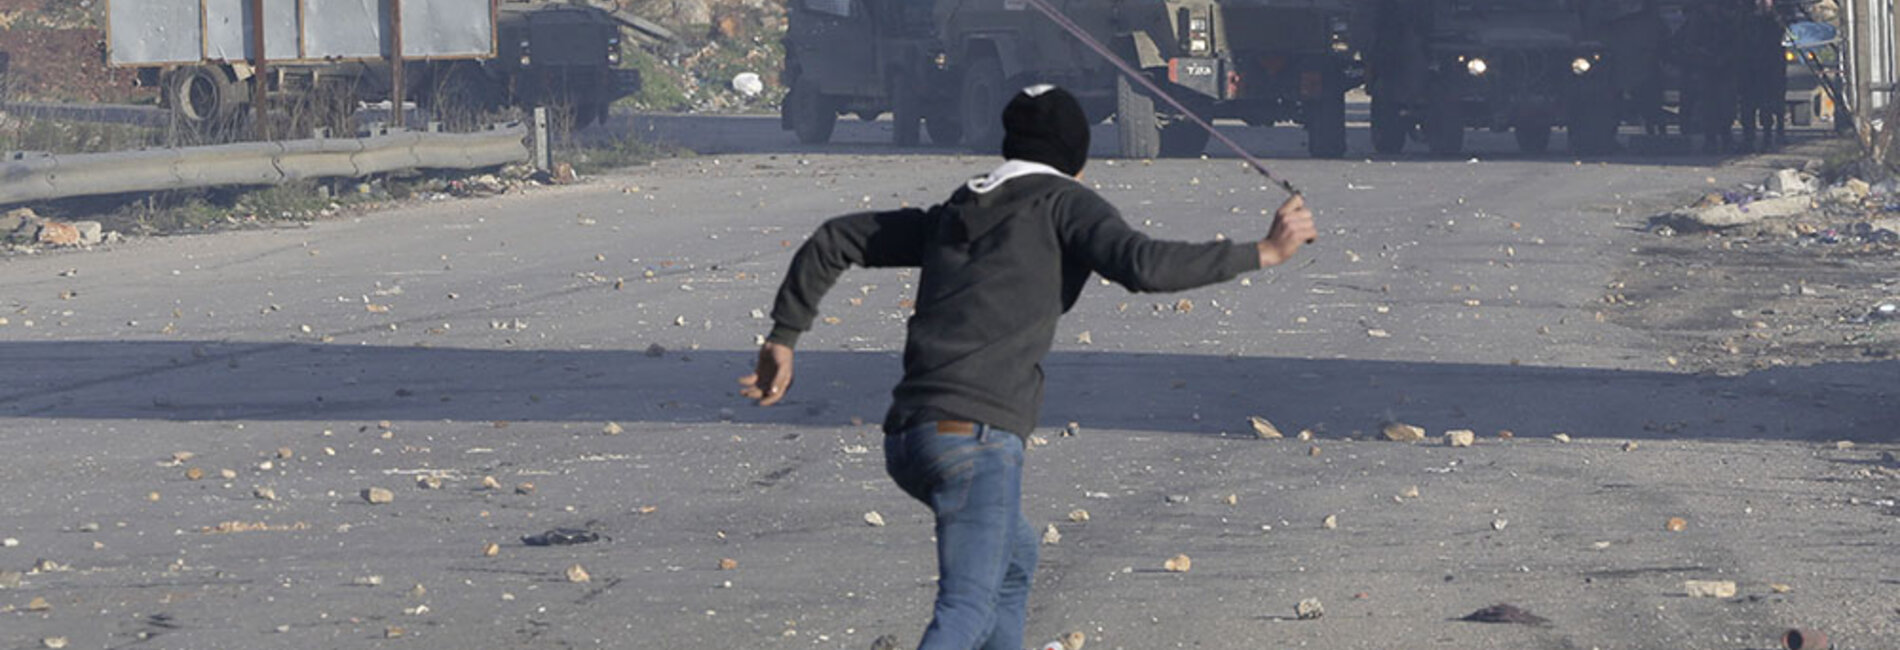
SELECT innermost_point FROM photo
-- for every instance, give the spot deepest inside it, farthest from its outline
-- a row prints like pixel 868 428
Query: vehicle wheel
pixel 1801 113
pixel 1532 138
pixel 1445 124
pixel 1389 126
pixel 906 112
pixel 202 96
pixel 1135 121
pixel 1183 139
pixel 946 130
pixel 812 114
pixel 1326 127
pixel 981 105
pixel 584 109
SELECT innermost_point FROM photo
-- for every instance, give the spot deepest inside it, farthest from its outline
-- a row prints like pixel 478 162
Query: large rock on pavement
pixel 1789 182
pixel 54 233
pixel 90 232
pixel 1730 215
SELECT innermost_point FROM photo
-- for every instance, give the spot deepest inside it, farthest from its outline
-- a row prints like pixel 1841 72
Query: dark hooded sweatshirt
pixel 999 268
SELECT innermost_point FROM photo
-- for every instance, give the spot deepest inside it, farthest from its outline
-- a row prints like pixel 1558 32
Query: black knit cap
pixel 1045 124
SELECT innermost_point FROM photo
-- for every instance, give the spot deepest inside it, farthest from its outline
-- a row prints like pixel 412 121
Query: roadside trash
pixel 1799 639
pixel 562 537
pixel 1070 641
pixel 1505 613
pixel 748 84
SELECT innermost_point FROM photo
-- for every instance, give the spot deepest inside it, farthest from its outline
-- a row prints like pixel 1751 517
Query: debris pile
pixel 1793 205
pixel 22 229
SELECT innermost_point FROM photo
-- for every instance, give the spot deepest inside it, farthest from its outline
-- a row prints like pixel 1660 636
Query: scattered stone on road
pixel 612 429
pixel 1051 536
pixel 728 564
pixel 578 574
pixel 1078 515
pixel 1560 437
pixel 1676 525
pixel 1264 429
pixel 1330 522
pixel 1709 588
pixel 1309 609
pixel 1460 437
pixel 1178 564
pixel 1401 432
pixel 378 495
pixel 873 518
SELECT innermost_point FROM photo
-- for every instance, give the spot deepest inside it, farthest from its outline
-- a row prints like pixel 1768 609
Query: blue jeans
pixel 986 550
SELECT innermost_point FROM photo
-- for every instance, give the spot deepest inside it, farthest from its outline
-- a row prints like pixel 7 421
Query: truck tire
pixel 1183 139
pixel 906 111
pixel 812 113
pixel 981 105
pixel 1135 121
pixel 1445 124
pixel 1326 126
pixel 203 96
pixel 1389 126
pixel 946 129
pixel 1532 138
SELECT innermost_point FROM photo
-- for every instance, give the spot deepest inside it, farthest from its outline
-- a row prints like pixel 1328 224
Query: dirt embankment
pixel 55 52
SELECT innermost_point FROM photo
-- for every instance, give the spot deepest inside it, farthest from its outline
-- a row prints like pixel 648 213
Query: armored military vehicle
pixel 1438 67
pixel 952 65
pixel 548 53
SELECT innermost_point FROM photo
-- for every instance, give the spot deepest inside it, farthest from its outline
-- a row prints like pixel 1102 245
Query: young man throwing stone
pixel 1001 261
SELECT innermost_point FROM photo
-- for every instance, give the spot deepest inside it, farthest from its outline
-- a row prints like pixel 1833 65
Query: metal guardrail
pixel 37 176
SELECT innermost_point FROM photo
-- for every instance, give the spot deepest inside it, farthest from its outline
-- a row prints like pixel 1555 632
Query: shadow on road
pixel 208 380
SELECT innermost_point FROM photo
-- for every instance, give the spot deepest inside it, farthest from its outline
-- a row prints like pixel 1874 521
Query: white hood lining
pixel 1008 170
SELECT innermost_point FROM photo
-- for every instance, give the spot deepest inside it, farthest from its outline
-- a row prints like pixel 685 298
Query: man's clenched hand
pixel 1292 228
pixel 773 376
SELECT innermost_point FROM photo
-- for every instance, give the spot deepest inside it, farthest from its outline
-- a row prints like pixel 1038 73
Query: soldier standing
pixel 1711 70
pixel 1763 77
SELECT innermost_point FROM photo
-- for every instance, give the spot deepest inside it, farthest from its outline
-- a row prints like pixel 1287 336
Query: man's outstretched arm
pixel 868 239
pixel 1093 229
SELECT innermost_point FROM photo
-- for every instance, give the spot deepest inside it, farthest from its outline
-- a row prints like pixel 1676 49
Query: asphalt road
pixel 499 337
